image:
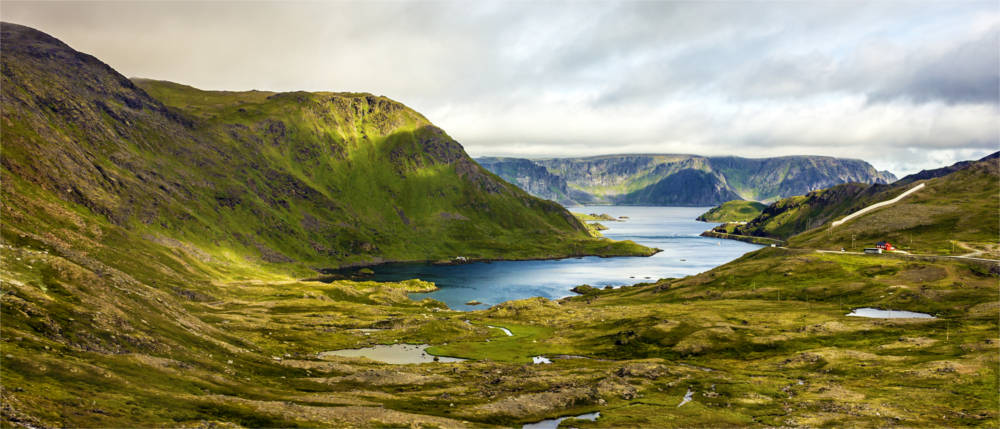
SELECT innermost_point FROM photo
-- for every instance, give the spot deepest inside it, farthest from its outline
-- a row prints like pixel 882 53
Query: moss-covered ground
pixel 948 216
pixel 764 340
pixel 151 258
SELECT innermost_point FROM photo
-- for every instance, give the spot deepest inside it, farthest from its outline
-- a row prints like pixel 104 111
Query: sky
pixel 903 85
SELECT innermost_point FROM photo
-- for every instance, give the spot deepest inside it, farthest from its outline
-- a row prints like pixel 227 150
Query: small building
pixel 885 245
pixel 873 250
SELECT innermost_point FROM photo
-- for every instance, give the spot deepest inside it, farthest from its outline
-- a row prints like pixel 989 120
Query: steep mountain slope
pixel 646 179
pixel 532 178
pixel 685 187
pixel 320 178
pixel 770 178
pixel 960 203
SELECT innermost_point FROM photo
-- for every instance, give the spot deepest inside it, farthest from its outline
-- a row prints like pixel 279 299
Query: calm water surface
pixel 554 423
pixel 888 314
pixel 397 354
pixel 672 229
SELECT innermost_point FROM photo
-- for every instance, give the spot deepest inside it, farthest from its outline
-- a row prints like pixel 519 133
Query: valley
pixel 176 257
pixel 764 340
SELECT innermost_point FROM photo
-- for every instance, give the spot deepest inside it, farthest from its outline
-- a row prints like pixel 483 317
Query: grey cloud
pixel 968 72
pixel 859 79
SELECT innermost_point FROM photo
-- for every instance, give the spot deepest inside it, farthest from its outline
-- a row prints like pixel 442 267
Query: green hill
pixel 958 204
pixel 151 241
pixel 319 179
pixel 151 247
pixel 733 211
pixel 789 216
pixel 950 214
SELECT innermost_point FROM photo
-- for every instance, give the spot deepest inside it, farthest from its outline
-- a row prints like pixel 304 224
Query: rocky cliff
pixel 531 177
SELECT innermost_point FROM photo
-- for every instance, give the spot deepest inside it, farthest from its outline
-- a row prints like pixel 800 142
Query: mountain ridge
pixel 644 179
pixel 322 179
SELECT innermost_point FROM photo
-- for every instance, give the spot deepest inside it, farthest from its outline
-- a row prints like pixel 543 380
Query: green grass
pixel 952 209
pixel 947 217
pixel 527 341
pixel 160 311
pixel 595 217
pixel 759 323
pixel 733 211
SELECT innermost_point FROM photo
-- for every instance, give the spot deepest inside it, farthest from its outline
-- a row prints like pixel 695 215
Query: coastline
pixel 372 264
pixel 744 238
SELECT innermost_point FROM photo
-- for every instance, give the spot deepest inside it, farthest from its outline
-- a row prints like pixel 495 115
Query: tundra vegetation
pixel 954 214
pixel 764 340
pixel 154 241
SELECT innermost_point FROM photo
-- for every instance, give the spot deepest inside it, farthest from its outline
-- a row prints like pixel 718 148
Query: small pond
pixel 554 423
pixel 888 314
pixel 399 354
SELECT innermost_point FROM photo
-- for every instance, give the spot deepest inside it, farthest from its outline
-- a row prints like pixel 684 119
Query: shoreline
pixel 372 264
pixel 764 241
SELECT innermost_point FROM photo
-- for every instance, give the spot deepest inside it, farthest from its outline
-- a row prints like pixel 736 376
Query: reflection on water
pixel 672 229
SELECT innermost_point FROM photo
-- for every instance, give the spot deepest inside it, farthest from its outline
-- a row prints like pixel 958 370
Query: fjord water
pixel 672 229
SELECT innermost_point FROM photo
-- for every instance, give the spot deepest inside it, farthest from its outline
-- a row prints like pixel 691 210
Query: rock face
pixel 683 188
pixel 529 176
pixel 321 178
pixel 680 179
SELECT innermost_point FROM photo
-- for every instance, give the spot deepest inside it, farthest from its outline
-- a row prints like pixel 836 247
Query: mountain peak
pixel 23 38
pixel 28 44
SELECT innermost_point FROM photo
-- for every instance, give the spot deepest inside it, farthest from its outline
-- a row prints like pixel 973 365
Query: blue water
pixel 672 229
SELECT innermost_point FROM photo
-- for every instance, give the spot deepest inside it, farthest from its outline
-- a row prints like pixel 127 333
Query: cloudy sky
pixel 903 85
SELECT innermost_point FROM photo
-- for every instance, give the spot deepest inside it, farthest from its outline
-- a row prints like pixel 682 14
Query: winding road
pixel 837 223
